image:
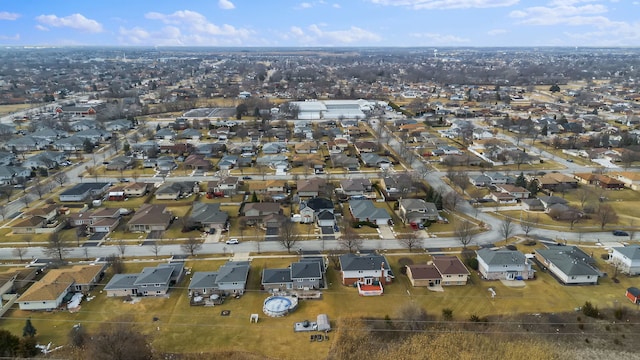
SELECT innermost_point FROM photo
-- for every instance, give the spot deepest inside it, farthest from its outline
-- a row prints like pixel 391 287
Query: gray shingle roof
pixel 570 260
pixel 632 251
pixel 305 270
pixel 501 257
pixel 205 213
pixel 276 276
pixel 350 262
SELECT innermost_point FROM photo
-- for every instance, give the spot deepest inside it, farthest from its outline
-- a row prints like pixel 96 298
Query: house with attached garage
pixel 149 218
pixel 176 190
pixel 9 175
pixel 84 191
pixel 443 271
pixel 503 264
pixel 365 210
pixel 627 258
pixel 152 281
pixel 311 211
pixel 417 211
pixel 50 292
pixel 231 278
pixel 226 186
pixel 569 264
pixel 208 217
pixel 308 273
pixel 355 187
pixel 310 187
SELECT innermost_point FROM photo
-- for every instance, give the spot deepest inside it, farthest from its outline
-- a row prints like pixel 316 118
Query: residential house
pixel 375 160
pixel 549 201
pixel 197 162
pixel 503 265
pixel 96 136
pixel 227 162
pixel 556 181
pixel 366 269
pixel 306 147
pixel 275 161
pixel 423 275
pixel 256 212
pixel 118 125
pixel 502 197
pixel 630 179
pixel 532 205
pixel 120 163
pixel 342 160
pixel 268 187
pixel 191 134
pixel 452 270
pixel 518 192
pixel 208 217
pixel 72 143
pixel 48 135
pixel 7 158
pixel 569 264
pixel 10 175
pixel 417 211
pixel 308 273
pixel 365 210
pixel 355 187
pixel 84 191
pixel 45 160
pixel 136 189
pixel 226 186
pixel 176 190
pixel 25 143
pixel 311 210
pixel 28 225
pixel 48 212
pixel 150 218
pixel 166 163
pixel 480 180
pixel 310 187
pixel 231 278
pixel 626 258
pixel 273 148
pixel 165 134
pixel 500 179
pixel 151 281
pixel 396 186
pixel 48 293
pixel 365 147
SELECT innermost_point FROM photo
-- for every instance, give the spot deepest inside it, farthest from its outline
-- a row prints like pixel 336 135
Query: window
pixel 300 280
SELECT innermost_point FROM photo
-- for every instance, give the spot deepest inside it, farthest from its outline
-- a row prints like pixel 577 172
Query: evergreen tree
pixel 28 329
pixel 521 181
pixel 254 197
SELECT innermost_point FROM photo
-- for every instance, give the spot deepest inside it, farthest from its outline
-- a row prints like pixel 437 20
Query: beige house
pixel 443 271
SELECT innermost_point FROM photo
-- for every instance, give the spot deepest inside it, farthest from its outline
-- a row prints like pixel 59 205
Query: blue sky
pixel 321 22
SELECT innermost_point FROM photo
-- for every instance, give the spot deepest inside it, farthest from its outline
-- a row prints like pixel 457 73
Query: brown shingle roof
pixel 449 265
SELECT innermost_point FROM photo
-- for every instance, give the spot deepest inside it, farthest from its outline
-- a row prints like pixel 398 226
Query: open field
pixel 205 329
pixel 9 109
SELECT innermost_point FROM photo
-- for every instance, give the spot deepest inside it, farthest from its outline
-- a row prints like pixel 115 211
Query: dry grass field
pixel 184 328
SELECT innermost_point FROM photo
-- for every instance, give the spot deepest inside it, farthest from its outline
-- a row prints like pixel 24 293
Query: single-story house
pixel 365 210
pixel 626 258
pixel 84 191
pixel 150 217
pixel 208 216
pixel 569 264
pixel 48 293
pixel 503 264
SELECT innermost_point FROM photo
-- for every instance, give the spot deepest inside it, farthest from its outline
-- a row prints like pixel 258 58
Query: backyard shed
pixel 323 323
pixel 633 294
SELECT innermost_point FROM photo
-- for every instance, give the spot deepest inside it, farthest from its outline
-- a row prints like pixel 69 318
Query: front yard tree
pixel 464 232
pixel 506 228
pixel 606 215
pixel 289 235
pixel 528 224
pixel 350 239
pixel 61 178
pixel 87 146
pixel 28 329
pixel 20 252
pixel 40 189
pixel 191 246
pixel 56 247
pixel 410 240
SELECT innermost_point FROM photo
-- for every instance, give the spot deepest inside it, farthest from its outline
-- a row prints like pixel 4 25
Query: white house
pixel 627 259
pixel 503 265
pixel 569 264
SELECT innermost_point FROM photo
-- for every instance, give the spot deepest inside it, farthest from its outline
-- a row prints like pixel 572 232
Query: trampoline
pixel 276 306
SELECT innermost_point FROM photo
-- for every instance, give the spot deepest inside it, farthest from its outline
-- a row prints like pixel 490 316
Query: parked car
pixel 233 241
pixel 246 178
pixel 620 233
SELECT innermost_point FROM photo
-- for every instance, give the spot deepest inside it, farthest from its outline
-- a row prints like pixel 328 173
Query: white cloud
pixel 226 5
pixel 336 6
pixel 446 4
pixel 74 21
pixel 305 5
pixel 561 14
pixel 439 39
pixel 316 35
pixel 494 32
pixel 8 16
pixel 42 28
pixel 197 25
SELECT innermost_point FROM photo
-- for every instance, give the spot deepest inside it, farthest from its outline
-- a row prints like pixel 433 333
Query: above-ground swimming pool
pixel 276 306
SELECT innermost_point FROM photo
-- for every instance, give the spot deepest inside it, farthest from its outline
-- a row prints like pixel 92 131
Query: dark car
pixel 246 178
pixel 620 233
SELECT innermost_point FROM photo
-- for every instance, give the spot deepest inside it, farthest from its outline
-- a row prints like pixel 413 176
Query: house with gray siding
pixel 152 281
pixel 231 278
pixel 503 265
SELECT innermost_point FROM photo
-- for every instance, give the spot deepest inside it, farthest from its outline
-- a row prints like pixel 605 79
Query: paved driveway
pixel 386 232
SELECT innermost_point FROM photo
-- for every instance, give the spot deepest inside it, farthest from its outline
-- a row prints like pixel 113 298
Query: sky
pixel 321 23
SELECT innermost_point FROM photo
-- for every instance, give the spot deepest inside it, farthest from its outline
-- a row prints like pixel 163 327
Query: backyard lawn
pixel 206 329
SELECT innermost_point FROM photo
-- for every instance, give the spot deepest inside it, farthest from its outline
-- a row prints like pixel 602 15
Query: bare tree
pixel 451 200
pixel 191 246
pixel 289 235
pixel 40 189
pixel 56 247
pixel 122 247
pixel 155 247
pixel 334 258
pixel 528 224
pixel 606 215
pixel 350 239
pixel 3 211
pixel 584 195
pixel 506 228
pixel 119 340
pixel 61 178
pixel 20 252
pixel 409 240
pixel 464 232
